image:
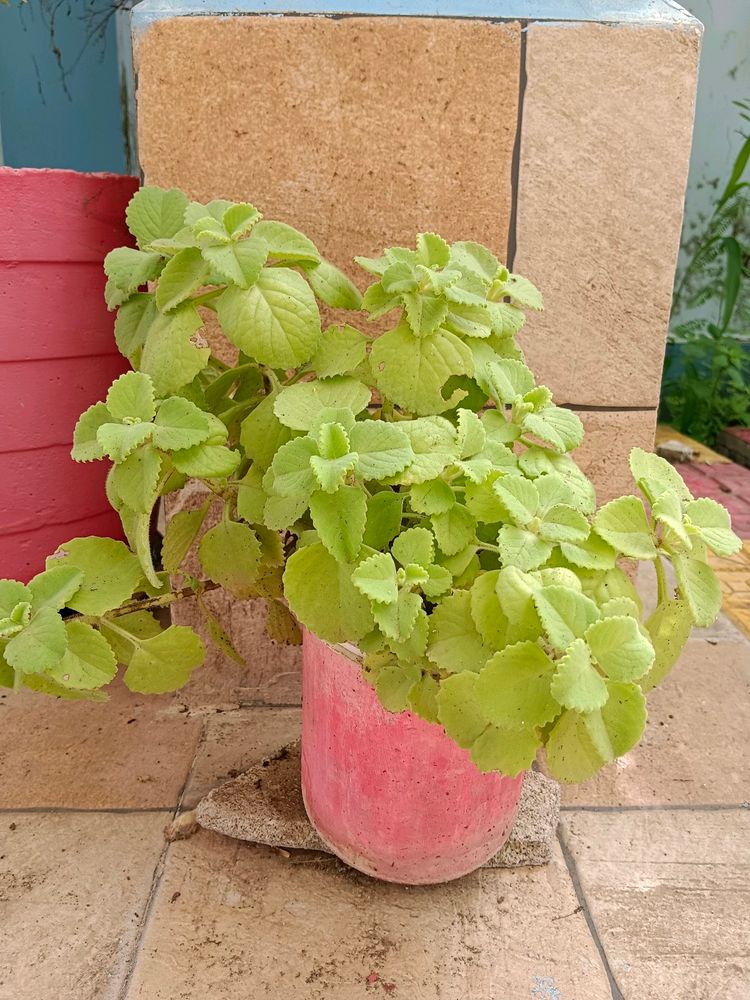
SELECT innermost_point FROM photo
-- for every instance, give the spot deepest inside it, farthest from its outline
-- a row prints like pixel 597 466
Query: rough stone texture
pixel 669 894
pixel 74 890
pixel 359 131
pixel 607 121
pixel 132 752
pixel 232 920
pixel 264 805
pixel 609 438
pixel 693 751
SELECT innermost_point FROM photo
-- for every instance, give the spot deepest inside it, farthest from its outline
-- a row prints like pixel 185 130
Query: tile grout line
pixel 132 963
pixel 590 923
pixel 656 807
pixel 515 166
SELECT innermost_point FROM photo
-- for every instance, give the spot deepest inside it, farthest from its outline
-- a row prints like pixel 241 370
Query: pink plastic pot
pixel 392 795
pixel 57 355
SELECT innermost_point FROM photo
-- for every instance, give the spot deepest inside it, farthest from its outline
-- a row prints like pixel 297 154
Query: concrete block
pixel 609 437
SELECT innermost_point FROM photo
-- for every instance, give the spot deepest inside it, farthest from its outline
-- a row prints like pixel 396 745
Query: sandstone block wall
pixel 562 144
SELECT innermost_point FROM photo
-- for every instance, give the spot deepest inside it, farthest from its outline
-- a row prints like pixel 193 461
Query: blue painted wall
pixel 45 122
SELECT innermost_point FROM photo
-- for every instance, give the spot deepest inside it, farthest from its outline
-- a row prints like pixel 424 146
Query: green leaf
pixel 341 350
pixel 455 529
pixel 292 472
pixel 281 513
pixel 110 573
pixel 131 396
pixel 623 523
pixel 182 530
pixel 88 662
pixel 218 636
pixel 334 288
pixel 393 684
pixel 577 684
pixel 424 312
pixel 230 555
pixel 275 321
pixel 514 687
pixel 128 269
pixel 137 625
pixel 459 709
pixel 562 523
pixel 384 512
pixel 433 443
pixel 519 497
pixel 423 698
pixel 154 213
pixel 571 754
pixel 330 473
pixel 238 262
pixel 383 449
pixel 654 476
pixel 262 433
pixel 285 243
pixel 521 548
pixel 120 440
pixel 40 645
pixel 299 406
pixel 281 625
pixel 339 519
pixel 714 525
pixel 206 461
pixel 240 218
pixel 164 662
pixel 565 614
pixel 183 274
pixel 412 371
pixel 415 545
pixel 618 725
pixel 700 588
pixel 54 587
pixel 472 436
pixel 86 446
pixel 455 644
pixel 522 291
pixel 375 577
pixel 504 750
pixel 180 424
pixel 174 352
pixel 620 648
pixel 593 553
pixel 321 594
pixel 439 580
pixel 507 379
pixel 561 429
pixel 669 627
pixel 397 620
pixel 136 480
pixel 433 497
pixel 475 258
pixel 486 611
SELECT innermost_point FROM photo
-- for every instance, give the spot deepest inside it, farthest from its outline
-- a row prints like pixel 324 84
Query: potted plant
pixel 409 500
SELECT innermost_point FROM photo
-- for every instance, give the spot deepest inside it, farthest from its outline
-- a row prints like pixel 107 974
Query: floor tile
pixel 669 893
pixel 73 894
pixel 134 751
pixel 233 741
pixel 697 742
pixel 233 920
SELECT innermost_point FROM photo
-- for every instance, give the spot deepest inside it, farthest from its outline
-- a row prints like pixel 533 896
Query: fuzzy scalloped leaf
pixel 669 627
pixel 384 510
pixel 286 243
pixel 136 480
pixel 183 274
pixel 433 497
pixel 700 588
pixel 375 577
pixel 562 523
pixel 514 687
pixel 425 312
pixel 507 379
pixel 164 662
pixel 182 530
pixel 624 525
pixel 620 647
pixel 459 708
pixel 275 321
pixel 433 442
pixel 561 429
pixel 519 497
pixel 521 548
pixel 593 553
pixel 54 587
pixel 240 262
pixel 262 433
pixel 88 662
pixel 230 556
pixel 489 617
pixel 423 698
pixel 180 424
pixel 40 645
pixel 565 614
pixel 131 396
pixel 455 644
pixel 414 545
pixel 654 475
pixel 411 371
pixel 505 750
pixel 86 445
pixel 174 352
pixel 128 269
pixel 333 287
pixel 321 594
pixel 571 754
pixel 154 213
pixel 382 449
pixel 577 684
pixel 618 725
pixel 714 525
pixel 455 529
pixel 207 461
pixel 299 406
pixel 137 625
pixel 340 351
pixel 397 620
pixel 292 472
pixel 110 573
pixel 393 683
pixel 339 519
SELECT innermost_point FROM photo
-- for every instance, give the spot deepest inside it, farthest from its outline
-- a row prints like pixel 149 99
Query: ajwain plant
pixel 411 494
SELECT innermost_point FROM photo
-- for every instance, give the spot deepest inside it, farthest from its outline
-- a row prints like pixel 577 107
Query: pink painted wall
pixel 57 355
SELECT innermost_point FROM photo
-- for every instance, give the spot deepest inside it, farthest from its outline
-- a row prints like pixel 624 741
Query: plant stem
pixel 662 588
